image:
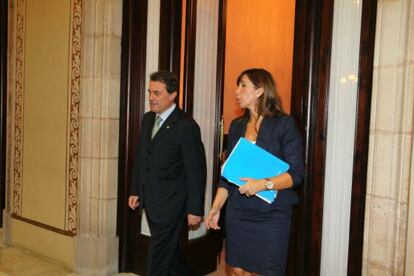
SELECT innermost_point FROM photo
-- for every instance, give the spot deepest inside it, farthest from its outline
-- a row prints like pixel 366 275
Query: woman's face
pixel 246 93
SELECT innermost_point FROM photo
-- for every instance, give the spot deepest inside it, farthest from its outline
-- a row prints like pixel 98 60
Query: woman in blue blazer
pixel 257 233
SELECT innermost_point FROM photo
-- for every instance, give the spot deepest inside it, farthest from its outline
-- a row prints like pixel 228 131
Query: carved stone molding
pixel 73 125
pixel 18 108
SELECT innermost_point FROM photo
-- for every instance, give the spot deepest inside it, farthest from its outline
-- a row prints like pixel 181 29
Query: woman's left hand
pixel 251 187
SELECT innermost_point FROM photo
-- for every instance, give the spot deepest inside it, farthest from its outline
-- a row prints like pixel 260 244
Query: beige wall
pixel 258 35
pixel 43 141
pixel 391 143
pixel 63 125
pixel 45 113
pixel 45 243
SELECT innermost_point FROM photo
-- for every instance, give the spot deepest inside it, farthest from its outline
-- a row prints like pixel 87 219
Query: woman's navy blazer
pixel 279 136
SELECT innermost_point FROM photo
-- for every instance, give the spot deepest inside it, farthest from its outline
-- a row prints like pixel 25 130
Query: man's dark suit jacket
pixel 170 169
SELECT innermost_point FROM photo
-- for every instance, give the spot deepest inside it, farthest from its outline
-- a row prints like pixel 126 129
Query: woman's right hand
pixel 212 219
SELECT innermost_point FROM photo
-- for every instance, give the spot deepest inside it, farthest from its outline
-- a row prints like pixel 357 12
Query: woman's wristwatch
pixel 268 184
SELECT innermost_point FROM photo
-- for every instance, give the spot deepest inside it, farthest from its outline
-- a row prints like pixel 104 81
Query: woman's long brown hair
pixel 269 103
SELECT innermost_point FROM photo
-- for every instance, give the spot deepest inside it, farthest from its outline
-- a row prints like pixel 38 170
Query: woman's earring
pixel 257 95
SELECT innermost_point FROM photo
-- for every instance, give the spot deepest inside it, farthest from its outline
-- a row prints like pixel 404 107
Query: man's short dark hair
pixel 168 78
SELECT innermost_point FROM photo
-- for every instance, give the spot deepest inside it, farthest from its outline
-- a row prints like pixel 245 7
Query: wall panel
pixel 44 58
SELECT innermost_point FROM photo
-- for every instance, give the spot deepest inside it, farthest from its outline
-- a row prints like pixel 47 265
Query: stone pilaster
pixel 391 140
pixel 96 243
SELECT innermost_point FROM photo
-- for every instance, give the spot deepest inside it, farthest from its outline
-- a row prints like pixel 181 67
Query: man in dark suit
pixel 169 175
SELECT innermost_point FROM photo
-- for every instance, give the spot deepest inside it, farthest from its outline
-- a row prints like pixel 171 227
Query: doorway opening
pixel 308 100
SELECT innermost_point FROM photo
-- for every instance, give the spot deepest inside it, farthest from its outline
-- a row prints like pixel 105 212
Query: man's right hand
pixel 133 202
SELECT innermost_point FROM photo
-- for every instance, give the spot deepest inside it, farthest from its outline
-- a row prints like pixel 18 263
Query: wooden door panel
pixel 201 252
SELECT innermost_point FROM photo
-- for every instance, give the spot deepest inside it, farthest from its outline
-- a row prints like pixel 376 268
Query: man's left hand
pixel 193 221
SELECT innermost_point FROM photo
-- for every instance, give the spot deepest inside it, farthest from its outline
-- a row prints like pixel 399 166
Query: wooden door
pixel 201 252
pixel 309 95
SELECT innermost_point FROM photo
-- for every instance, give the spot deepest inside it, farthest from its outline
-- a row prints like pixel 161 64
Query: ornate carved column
pixel 391 141
pixel 96 243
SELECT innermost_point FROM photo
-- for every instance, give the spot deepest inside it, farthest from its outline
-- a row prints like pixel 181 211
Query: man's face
pixel 159 98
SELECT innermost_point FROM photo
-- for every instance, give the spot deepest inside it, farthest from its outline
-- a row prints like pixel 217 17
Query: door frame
pixel 310 95
pixel 361 144
pixel 310 84
pixel 132 108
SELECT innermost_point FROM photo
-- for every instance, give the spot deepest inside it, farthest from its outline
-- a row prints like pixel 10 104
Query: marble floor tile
pixel 15 261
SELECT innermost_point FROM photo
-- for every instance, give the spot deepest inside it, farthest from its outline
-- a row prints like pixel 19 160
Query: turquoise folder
pixel 249 160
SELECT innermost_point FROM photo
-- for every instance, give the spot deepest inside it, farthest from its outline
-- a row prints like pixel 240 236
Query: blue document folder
pixel 249 160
